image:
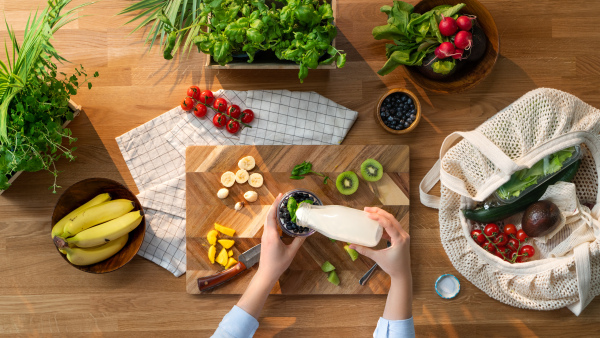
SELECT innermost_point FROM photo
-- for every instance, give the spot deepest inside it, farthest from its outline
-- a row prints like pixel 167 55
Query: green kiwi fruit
pixel 347 183
pixel 371 170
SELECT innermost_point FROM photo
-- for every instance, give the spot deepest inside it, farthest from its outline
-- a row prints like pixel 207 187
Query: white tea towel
pixel 149 157
pixel 165 202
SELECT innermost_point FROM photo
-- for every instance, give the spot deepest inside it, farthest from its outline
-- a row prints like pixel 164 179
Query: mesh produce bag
pixel 538 124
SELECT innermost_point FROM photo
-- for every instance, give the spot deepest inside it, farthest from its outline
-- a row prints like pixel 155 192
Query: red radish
pixel 458 54
pixel 464 23
pixel 444 50
pixel 463 40
pixel 448 26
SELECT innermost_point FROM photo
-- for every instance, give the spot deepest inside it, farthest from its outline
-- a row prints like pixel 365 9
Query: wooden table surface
pixel 543 43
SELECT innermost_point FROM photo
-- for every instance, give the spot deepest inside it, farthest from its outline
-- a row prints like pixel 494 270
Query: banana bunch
pixel 96 230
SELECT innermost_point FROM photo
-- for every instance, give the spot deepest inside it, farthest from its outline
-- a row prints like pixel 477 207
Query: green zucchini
pixel 494 214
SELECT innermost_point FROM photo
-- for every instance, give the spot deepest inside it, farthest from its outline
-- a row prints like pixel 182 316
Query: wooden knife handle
pixel 209 282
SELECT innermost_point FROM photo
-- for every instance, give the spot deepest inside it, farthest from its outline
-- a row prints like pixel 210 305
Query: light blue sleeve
pixel 394 328
pixel 236 324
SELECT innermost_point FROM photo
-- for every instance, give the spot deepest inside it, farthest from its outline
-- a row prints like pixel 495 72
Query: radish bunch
pixel 463 40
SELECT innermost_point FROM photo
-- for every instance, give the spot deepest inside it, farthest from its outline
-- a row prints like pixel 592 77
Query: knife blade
pixel 245 261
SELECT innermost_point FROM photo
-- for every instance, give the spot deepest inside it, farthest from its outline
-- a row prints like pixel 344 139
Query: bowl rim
pixel 414 78
pixel 417 106
pixel 143 223
pixel 286 231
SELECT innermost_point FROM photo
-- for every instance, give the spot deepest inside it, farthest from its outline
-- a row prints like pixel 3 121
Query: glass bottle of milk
pixel 340 223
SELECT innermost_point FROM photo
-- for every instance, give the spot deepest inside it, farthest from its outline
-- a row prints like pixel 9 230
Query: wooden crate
pixel 271 64
pixel 76 110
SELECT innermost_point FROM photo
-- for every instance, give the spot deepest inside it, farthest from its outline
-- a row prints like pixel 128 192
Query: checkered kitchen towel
pixel 155 154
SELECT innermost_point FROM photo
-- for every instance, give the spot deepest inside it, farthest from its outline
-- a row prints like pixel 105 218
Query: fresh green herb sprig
pixel 305 168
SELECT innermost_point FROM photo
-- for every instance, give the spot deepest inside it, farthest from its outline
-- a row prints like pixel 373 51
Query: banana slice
pixel 255 180
pixel 251 196
pixel 228 179
pixel 241 176
pixel 247 163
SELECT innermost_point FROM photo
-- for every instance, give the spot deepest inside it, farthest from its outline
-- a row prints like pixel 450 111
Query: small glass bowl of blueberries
pixel 285 219
pixel 398 111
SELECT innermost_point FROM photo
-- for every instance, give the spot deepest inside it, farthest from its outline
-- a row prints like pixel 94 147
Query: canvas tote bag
pixel 538 124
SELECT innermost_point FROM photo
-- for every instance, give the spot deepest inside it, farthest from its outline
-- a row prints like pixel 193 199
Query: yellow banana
pixel 106 232
pixel 89 256
pixel 60 225
pixel 96 215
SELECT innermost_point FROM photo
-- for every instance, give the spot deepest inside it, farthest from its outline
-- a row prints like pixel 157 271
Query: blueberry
pixel 409 101
pixel 289 226
pixel 403 98
pixel 406 124
pixel 390 119
pixel 413 116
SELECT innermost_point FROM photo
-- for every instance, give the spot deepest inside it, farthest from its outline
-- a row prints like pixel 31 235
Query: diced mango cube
pixel 212 251
pixel 230 253
pixel 231 262
pixel 227 243
pixel 212 237
pixel 222 258
pixel 225 230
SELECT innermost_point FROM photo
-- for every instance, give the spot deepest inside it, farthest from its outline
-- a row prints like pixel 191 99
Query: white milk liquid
pixel 340 223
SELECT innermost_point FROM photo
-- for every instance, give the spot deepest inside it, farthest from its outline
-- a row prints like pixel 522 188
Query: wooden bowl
pixel 473 72
pixel 417 106
pixel 83 191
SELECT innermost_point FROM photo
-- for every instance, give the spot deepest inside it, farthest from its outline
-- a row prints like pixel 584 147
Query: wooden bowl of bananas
pixel 98 225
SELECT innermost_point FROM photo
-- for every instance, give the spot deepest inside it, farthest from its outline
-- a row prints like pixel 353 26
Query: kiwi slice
pixel 333 278
pixel 327 267
pixel 371 170
pixel 347 183
pixel 353 253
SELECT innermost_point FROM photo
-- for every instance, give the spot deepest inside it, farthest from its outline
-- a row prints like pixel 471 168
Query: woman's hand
pixel 275 256
pixel 394 260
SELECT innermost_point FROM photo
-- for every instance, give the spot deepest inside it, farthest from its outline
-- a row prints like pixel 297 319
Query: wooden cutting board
pixel 204 166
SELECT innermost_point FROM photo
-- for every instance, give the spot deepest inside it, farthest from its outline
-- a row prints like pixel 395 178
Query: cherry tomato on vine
pixel 194 92
pixel 477 236
pixel 506 252
pixel 527 250
pixel 234 111
pixel 200 110
pixel 491 230
pixel 220 104
pixel 501 239
pixel 515 256
pixel 233 126
pixel 219 120
pixel 510 229
pixel 489 247
pixel 206 97
pixel 247 116
pixel 187 104
pixel 522 236
pixel 513 244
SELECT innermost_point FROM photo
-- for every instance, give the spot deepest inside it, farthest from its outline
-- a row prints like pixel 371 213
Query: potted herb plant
pixel 285 33
pixel 36 103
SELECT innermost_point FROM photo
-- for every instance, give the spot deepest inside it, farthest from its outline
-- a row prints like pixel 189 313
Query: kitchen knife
pixel 245 261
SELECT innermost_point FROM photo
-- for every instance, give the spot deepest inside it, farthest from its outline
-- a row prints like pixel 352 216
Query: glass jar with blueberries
pixel 285 219
pixel 399 111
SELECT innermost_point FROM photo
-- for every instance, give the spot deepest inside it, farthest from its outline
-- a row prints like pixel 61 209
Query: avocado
pixel 540 218
pixel 427 69
pixel 479 44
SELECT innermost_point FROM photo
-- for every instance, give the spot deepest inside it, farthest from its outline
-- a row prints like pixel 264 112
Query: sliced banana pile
pixel 242 176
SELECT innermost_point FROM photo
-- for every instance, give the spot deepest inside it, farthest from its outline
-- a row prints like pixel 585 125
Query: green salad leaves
pixel 414 35
pixel 524 178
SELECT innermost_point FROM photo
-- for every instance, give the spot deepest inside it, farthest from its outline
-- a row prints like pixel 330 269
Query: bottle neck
pixel 302 214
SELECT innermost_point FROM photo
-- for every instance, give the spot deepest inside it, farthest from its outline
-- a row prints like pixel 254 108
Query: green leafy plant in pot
pixel 35 98
pixel 301 31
